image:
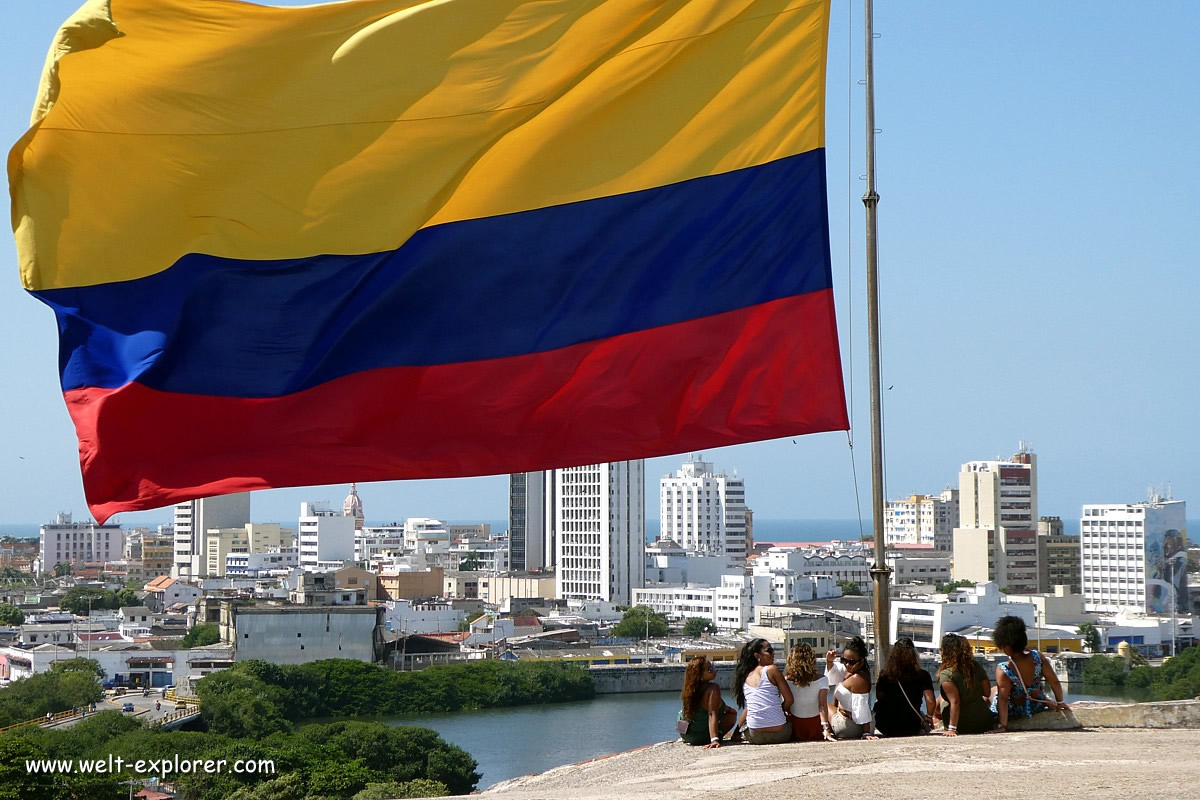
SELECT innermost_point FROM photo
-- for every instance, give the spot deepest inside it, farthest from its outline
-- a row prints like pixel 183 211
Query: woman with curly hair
pixel 708 718
pixel 1020 681
pixel 809 711
pixel 902 686
pixel 850 715
pixel 762 694
pixel 965 688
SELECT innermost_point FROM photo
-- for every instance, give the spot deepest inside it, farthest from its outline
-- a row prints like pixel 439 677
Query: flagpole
pixel 879 571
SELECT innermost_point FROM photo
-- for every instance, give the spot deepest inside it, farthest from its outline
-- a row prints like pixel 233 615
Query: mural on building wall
pixel 1166 572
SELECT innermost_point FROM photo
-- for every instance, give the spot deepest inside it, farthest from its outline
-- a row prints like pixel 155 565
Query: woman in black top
pixel 903 685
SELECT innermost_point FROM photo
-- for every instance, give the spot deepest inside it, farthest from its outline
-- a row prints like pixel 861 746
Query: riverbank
pixel 1150 764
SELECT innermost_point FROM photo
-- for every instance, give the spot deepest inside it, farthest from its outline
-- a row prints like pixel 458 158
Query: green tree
pixel 61 570
pixel 946 588
pixel 126 597
pixel 1104 670
pixel 11 615
pixel 636 622
pixel 1091 637
pixel 81 600
pixel 694 626
pixel 420 787
pixel 338 779
pixel 849 588
pixel 469 562
pixel 201 635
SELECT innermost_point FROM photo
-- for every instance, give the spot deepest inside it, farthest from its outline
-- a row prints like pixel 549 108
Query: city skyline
pixel 1021 197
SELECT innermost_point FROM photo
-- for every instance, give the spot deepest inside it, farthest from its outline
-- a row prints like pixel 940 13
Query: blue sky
pixel 1038 177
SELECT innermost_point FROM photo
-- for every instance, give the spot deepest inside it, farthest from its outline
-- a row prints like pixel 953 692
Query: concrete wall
pixel 294 635
pixel 652 678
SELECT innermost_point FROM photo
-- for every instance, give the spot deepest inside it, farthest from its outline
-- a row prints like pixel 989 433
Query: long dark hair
pixel 903 664
pixel 693 685
pixel 958 656
pixel 857 644
pixel 746 663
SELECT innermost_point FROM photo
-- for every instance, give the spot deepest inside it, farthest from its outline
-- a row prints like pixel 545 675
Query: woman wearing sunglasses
pixel 762 694
pixel 850 714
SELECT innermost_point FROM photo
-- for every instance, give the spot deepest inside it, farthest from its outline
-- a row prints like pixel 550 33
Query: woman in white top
pixel 851 717
pixel 762 694
pixel 810 689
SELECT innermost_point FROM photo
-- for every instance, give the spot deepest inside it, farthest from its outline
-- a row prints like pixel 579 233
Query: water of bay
pixel 510 742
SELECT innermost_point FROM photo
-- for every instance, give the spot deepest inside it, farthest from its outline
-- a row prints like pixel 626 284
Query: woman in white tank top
pixel 762 693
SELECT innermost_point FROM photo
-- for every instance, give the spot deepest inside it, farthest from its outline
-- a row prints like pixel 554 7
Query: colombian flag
pixel 387 239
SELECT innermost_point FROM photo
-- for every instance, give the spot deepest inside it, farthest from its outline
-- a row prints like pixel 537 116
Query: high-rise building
pixel 922 519
pixel 531 502
pixel 996 536
pixel 600 521
pixel 1135 557
pixel 326 537
pixel 194 519
pixel 704 510
pixel 1059 562
pixel 353 507
pixel 252 538
pixel 67 542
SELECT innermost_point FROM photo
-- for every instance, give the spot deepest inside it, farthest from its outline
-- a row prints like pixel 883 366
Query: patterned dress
pixel 1023 701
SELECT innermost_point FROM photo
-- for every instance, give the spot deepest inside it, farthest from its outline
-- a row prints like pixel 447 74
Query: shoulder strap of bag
pixel 908 700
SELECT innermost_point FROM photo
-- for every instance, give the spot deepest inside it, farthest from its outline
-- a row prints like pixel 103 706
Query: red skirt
pixel 806 729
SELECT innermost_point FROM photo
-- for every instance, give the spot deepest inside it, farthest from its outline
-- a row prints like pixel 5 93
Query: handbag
pixel 926 725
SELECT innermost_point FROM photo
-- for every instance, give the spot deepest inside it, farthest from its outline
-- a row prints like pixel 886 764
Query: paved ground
pixel 1014 766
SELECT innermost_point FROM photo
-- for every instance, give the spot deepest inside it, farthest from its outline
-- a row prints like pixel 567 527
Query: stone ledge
pixel 1151 762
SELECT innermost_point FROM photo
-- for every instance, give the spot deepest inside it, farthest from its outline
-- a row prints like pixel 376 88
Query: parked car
pixel 127 707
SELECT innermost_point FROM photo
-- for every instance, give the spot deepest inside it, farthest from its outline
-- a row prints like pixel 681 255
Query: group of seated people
pixel 804 702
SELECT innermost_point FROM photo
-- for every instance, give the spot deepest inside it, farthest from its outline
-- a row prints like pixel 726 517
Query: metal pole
pixel 1174 602
pixel 880 572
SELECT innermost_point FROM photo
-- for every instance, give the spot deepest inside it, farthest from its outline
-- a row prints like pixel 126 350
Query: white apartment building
pixel 846 565
pixel 704 510
pixel 254 564
pixel 729 605
pixel 67 542
pixel 599 517
pixel 1135 557
pixel 996 537
pixel 922 519
pixel 667 562
pixel 326 537
pixel 531 504
pixel 925 622
pixel 378 543
pixel 194 519
pixel 421 532
pixel 490 555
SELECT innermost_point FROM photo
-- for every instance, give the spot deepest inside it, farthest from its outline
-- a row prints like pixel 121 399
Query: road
pixel 143 707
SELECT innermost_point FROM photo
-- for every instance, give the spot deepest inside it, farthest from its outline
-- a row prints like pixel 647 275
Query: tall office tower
pixel 1135 557
pixel 531 499
pixel 194 519
pixel 67 542
pixel 996 537
pixel 1059 562
pixel 922 519
pixel 353 507
pixel 600 519
pixel 704 510
pixel 326 537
